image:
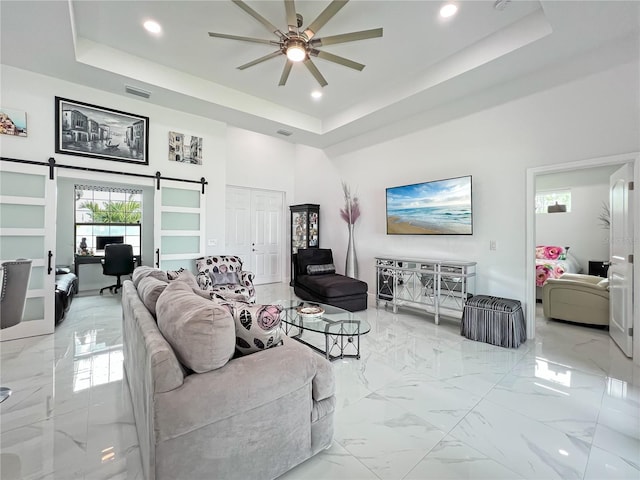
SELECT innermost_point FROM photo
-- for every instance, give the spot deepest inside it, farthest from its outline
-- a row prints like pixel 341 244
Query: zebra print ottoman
pixel 494 320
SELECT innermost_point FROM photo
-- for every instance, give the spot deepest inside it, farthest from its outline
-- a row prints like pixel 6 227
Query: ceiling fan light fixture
pixel 299 46
pixel 316 94
pixel 296 51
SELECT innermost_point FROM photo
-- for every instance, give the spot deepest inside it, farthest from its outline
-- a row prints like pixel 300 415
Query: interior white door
pixel 266 244
pixel 254 231
pixel 28 230
pixel 621 262
pixel 238 224
pixel 179 226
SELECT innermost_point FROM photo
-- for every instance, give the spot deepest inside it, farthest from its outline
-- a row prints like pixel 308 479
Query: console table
pixel 440 287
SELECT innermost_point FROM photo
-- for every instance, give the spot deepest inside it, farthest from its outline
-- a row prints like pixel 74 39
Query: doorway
pixel 254 231
pixel 634 160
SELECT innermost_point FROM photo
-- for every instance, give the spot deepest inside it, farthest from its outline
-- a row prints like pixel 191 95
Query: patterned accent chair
pixel 223 275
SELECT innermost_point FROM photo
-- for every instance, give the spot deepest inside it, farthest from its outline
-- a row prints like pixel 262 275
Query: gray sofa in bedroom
pixel 254 416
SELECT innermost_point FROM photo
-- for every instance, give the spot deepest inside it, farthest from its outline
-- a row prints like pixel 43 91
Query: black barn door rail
pixel 51 163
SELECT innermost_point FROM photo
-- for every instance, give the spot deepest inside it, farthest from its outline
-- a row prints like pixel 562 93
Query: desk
pixel 87 259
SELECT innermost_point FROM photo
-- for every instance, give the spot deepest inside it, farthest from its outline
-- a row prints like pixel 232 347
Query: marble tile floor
pixel 422 403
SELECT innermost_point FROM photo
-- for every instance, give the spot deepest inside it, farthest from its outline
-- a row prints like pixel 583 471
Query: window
pixel 549 198
pixel 107 215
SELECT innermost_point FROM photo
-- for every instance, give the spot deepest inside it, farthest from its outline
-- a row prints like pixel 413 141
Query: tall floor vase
pixel 351 265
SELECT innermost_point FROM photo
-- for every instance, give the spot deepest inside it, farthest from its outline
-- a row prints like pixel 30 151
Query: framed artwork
pixel 99 132
pixel 185 148
pixel 13 122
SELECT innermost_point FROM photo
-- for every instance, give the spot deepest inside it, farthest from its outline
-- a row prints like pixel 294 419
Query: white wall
pixel 230 155
pixel 579 229
pixel 259 161
pixel 591 117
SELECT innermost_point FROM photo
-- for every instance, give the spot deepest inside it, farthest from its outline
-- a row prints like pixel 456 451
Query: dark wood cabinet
pixel 305 228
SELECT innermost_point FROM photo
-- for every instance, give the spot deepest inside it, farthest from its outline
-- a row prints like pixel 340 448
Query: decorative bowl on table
pixel 311 311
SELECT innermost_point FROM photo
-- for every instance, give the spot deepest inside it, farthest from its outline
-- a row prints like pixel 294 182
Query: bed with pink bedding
pixel 552 262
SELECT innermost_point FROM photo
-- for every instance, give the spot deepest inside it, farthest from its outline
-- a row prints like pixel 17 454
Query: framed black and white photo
pixel 99 132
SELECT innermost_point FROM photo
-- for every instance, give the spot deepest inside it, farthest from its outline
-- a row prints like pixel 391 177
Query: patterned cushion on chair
pixel 221 266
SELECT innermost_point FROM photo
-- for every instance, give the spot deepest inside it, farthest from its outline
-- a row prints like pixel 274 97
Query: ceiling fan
pixel 300 45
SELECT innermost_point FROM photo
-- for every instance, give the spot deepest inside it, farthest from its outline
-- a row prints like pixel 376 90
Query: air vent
pixel 137 91
pixel 286 133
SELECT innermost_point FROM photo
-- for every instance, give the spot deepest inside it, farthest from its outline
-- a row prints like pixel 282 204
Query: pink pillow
pixel 549 252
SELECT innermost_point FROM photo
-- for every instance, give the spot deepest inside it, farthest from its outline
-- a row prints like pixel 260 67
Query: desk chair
pixel 15 282
pixel 118 260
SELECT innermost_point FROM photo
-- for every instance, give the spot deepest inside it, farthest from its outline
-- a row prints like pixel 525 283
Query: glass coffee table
pixel 341 328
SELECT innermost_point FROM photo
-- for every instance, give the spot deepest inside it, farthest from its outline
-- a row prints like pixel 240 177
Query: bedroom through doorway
pixel 580 224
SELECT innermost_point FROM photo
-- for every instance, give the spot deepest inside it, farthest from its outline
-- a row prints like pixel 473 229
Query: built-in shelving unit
pixel 439 287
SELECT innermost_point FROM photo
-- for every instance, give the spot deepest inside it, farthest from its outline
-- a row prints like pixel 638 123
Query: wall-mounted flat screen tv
pixel 441 207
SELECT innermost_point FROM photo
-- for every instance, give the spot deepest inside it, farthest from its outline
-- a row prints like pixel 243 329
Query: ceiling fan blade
pixel 260 60
pixel 244 39
pixel 315 72
pixel 324 17
pixel 337 59
pixel 267 24
pixel 285 73
pixel 347 37
pixel 290 8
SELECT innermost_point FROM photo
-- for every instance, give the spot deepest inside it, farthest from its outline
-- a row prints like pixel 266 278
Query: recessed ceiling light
pixel 448 10
pixel 152 26
pixel 316 94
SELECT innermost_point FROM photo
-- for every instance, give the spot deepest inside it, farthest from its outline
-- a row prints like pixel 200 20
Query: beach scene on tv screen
pixel 441 207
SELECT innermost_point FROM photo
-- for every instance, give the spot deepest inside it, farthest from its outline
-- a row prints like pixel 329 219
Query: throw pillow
pixel 201 332
pixel 604 283
pixel 257 326
pixel 226 278
pixel 188 277
pixel 149 289
pixel 173 274
pixel 549 252
pixel 321 269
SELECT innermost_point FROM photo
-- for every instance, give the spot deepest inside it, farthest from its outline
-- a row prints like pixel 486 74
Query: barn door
pixel 179 225
pixel 28 230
